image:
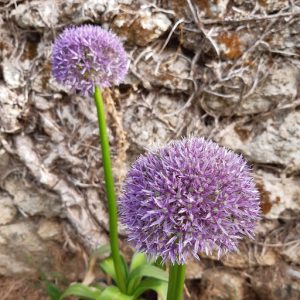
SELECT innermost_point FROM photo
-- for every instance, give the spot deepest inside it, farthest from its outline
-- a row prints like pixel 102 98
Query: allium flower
pixel 188 197
pixel 86 56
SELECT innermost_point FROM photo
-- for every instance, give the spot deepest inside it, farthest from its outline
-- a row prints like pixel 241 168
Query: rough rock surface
pixel 218 284
pixel 280 86
pixel 12 107
pixel 226 70
pixel 275 141
pixel 282 283
pixel 142 27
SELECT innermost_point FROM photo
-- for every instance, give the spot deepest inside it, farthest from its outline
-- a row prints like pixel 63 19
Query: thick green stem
pixel 176 282
pixel 172 281
pixel 110 191
pixel 178 290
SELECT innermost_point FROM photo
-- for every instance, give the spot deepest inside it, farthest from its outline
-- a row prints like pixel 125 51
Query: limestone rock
pixel 93 8
pixel 272 145
pixel 72 200
pixel 221 284
pixel 9 266
pixel 293 272
pixel 152 113
pixel 2 241
pixel 12 107
pixel 206 9
pixel 197 42
pixel 280 86
pixel 195 269
pixel 246 257
pixel 37 14
pixel 141 28
pixel 4 161
pixel 166 70
pixel 7 209
pixel 278 194
pixel 277 142
pixel 31 201
pixel 49 230
pixel 272 6
pixel 287 39
pixel 21 235
pixel 292 253
pixel 249 259
pixel 281 283
pixel 23 252
pixel 78 11
pixel 42 103
pixel 217 8
pixel 45 80
pixel 52 199
pixel 12 73
pixel 7 44
pixel 291 245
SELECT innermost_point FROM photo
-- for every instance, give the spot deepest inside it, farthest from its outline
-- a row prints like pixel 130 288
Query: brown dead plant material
pixel 118 131
pixel 27 289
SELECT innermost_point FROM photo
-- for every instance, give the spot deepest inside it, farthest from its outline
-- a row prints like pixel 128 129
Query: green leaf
pixel 158 263
pixel 138 260
pixel 125 267
pixel 101 251
pixel 82 291
pixel 113 293
pixel 107 266
pixel 53 291
pixel 144 271
pixel 159 286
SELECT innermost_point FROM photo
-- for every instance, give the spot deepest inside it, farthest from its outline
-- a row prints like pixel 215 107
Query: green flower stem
pixel 176 282
pixel 172 281
pixel 179 282
pixel 110 191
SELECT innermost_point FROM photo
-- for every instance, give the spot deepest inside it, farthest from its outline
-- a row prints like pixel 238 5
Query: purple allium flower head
pixel 86 56
pixel 190 196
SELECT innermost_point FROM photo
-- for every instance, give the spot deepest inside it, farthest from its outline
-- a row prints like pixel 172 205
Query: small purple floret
pixel 86 56
pixel 190 196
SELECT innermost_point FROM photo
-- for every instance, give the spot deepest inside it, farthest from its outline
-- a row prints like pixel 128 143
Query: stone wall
pixel 226 70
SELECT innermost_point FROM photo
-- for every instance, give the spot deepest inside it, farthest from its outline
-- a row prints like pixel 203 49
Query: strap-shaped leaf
pixel 113 293
pixel 53 292
pixel 159 286
pixel 107 266
pixel 125 267
pixel 159 263
pixel 144 271
pixel 101 251
pixel 138 260
pixel 82 291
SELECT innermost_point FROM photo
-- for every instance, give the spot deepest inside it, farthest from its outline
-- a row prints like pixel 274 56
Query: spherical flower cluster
pixel 190 196
pixel 88 56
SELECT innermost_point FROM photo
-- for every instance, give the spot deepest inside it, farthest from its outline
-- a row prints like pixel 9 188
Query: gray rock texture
pixel 225 70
